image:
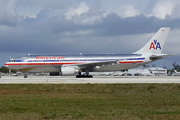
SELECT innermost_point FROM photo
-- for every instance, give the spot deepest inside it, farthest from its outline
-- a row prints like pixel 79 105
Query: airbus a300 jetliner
pixel 76 63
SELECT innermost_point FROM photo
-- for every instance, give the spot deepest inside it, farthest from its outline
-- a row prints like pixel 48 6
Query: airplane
pixel 107 73
pixel 144 73
pixel 74 64
pixel 121 73
pixel 177 73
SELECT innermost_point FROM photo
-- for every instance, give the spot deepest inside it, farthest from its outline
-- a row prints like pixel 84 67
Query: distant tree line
pixel 176 66
pixel 6 70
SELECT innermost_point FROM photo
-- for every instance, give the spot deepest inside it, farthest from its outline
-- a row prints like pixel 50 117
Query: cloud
pixel 74 33
pixel 84 15
pixel 127 11
pixel 8 14
pixel 77 13
pixel 81 9
pixel 55 26
pixel 175 13
pixel 31 8
pixel 162 9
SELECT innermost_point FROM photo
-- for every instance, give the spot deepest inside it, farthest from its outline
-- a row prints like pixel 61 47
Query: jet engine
pixel 68 70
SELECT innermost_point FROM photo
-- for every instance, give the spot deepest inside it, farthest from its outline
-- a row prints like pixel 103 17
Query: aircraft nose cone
pixel 6 65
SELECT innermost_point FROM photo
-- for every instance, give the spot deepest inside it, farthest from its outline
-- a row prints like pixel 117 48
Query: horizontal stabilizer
pixel 159 56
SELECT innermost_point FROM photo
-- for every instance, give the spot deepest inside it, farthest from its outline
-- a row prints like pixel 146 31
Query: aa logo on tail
pixel 155 45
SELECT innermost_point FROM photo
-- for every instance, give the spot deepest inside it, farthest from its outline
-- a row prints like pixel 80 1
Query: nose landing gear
pixel 25 76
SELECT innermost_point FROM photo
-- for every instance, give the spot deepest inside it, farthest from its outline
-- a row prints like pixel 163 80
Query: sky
pixel 87 26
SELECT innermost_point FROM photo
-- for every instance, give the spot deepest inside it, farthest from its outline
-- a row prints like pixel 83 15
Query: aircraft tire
pixel 84 76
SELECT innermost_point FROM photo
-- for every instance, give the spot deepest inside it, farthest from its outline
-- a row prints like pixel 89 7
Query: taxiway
pixel 96 79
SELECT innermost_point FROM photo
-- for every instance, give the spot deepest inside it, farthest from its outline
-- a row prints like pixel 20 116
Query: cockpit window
pixel 12 60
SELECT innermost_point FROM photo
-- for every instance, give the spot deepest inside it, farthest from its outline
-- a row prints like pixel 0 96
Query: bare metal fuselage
pixel 46 63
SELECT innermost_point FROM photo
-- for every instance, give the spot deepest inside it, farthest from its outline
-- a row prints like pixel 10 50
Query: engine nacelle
pixel 69 70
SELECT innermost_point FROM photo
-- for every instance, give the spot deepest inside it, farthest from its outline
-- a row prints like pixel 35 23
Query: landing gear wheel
pixel 84 76
pixel 25 76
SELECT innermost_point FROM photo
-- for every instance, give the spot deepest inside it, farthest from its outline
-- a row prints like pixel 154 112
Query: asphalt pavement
pixel 95 79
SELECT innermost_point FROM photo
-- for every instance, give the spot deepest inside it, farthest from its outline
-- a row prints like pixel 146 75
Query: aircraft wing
pixel 94 64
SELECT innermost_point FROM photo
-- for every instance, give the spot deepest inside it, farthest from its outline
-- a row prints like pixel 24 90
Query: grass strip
pixel 89 101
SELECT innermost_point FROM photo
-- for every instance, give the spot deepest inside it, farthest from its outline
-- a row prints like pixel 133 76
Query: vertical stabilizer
pixel 156 43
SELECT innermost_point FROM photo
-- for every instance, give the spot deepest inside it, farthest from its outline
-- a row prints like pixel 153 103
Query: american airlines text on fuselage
pixel 49 57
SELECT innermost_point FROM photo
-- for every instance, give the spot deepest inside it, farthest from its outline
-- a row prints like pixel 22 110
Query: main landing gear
pixel 84 76
pixel 25 76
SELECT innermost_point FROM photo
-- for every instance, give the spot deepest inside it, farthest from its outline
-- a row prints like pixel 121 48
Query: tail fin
pixel 156 43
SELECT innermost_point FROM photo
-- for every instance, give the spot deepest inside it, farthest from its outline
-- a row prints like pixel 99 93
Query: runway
pixel 96 79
